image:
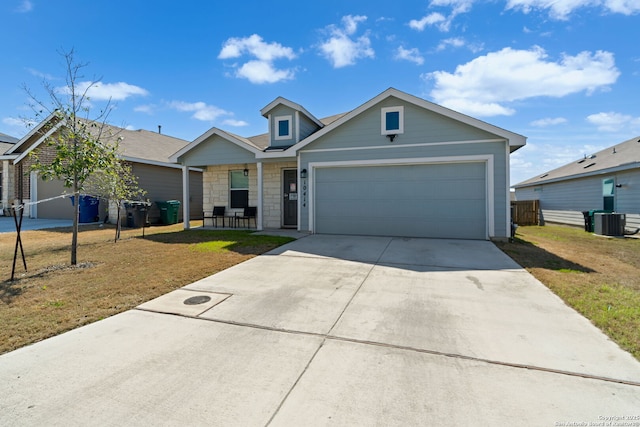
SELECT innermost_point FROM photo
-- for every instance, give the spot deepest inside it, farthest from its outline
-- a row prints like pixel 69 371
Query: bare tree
pixel 83 144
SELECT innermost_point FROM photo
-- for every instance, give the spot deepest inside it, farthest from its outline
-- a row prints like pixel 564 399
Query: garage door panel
pixel 435 200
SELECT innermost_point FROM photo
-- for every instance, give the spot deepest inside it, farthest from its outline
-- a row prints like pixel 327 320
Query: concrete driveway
pixel 334 330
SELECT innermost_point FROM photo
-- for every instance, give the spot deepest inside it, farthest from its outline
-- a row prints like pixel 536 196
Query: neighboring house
pixel 6 172
pixel 147 152
pixel 396 165
pixel 606 180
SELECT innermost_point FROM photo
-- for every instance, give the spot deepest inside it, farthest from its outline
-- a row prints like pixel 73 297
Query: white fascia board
pixel 280 100
pixel 39 141
pixel 513 138
pixel 30 134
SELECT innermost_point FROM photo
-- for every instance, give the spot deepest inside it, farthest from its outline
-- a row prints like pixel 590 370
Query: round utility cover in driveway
pixel 444 200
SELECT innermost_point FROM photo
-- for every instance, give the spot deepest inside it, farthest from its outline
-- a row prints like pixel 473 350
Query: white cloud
pixel 431 19
pixel 24 7
pixel 341 49
pixel 459 42
pixel 40 74
pixel 148 109
pixel 482 86
pixel 440 21
pixel 561 9
pixel 548 121
pixel 201 111
pixel 412 55
pixel 259 72
pixel 261 69
pixel 254 45
pixel 612 121
pixel 105 91
pixel 235 123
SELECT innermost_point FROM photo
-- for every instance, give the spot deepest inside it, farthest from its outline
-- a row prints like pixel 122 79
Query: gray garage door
pixel 434 200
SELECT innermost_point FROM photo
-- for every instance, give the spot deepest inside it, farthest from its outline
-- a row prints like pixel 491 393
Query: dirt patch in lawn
pixel 597 276
pixel 53 297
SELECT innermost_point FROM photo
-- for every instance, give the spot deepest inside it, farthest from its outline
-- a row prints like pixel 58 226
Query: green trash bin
pixel 169 211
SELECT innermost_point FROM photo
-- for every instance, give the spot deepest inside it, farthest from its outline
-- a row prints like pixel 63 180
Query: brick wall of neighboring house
pixel 22 170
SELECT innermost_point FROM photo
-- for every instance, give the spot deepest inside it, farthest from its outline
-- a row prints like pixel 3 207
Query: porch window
pixel 238 189
pixel 283 127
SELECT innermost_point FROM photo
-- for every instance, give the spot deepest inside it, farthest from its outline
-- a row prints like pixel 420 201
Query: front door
pixel 290 195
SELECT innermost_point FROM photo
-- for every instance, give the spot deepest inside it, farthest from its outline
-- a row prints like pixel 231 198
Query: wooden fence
pixel 525 212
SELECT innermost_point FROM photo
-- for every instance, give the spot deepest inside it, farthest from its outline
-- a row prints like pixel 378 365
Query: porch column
pixel 185 197
pixel 260 199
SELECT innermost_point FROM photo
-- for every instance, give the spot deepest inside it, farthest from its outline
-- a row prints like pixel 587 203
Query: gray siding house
pixel 606 180
pixel 396 165
pixel 147 153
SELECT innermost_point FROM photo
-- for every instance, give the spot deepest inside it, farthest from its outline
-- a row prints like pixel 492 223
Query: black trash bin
pixel 169 211
pixel 137 214
pixel 588 225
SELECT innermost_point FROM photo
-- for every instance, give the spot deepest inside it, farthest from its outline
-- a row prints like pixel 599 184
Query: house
pixel 607 180
pixel 396 165
pixel 147 153
pixel 6 172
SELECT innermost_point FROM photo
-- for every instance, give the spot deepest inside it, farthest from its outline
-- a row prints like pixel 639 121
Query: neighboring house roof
pixel 6 143
pixel 259 144
pixel 623 156
pixel 7 139
pixel 139 146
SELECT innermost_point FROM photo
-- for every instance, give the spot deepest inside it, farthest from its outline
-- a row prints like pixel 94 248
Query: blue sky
pixel 564 73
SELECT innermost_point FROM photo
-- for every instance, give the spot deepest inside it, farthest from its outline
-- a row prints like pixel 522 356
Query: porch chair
pixel 249 212
pixel 218 212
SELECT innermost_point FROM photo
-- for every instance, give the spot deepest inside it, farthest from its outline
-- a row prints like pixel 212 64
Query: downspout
pixel 185 197
pixel 260 198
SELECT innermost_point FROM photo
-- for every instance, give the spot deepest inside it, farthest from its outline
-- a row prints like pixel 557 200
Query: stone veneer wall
pixel 215 183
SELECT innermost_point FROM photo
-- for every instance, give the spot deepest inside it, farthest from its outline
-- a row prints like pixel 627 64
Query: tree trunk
pixel 118 226
pixel 76 217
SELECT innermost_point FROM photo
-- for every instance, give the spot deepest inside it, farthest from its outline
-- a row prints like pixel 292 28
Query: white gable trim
pixel 30 134
pixel 283 101
pixel 38 141
pixel 513 138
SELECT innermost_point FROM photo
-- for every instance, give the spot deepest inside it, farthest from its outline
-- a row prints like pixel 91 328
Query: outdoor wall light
pixel 246 172
pixel 303 173
pixel 391 136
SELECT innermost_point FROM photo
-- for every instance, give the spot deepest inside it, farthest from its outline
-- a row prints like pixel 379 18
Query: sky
pixel 563 73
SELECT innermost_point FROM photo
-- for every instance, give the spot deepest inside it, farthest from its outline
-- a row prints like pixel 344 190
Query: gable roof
pixel 258 144
pixel 623 156
pixel 140 146
pixel 515 140
pixel 283 101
